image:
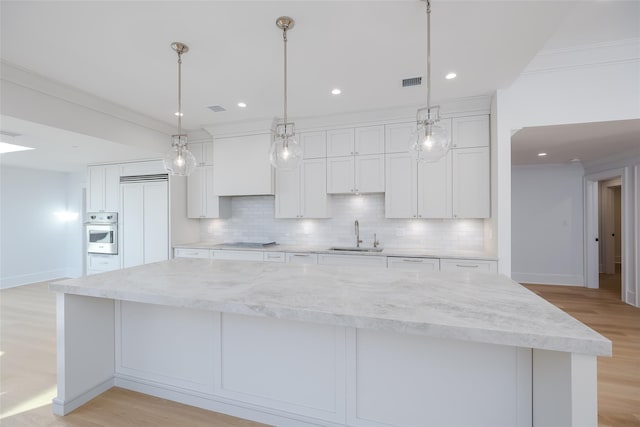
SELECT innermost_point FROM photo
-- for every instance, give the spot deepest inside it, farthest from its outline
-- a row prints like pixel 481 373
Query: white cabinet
pixel 144 222
pixel 302 193
pixel 472 131
pixel 340 142
pixel 274 257
pixel 301 258
pixel 104 188
pixel 313 144
pixel 471 183
pixel 201 201
pixel 355 174
pixel 203 152
pixel 361 260
pixel 369 140
pixel 485 266
pixel 225 254
pixel 413 264
pixel 434 188
pixel 397 137
pixel 99 263
pixel 242 166
pixel 191 253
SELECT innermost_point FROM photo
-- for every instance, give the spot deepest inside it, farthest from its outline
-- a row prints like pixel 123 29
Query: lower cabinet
pixel 364 260
pixel 225 254
pixel 413 264
pixel 468 265
pixel 191 253
pixel 301 258
pixel 274 257
pixel 99 263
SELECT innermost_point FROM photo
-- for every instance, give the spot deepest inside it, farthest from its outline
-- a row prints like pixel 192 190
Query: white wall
pixel 36 244
pixel 252 220
pixel 547 206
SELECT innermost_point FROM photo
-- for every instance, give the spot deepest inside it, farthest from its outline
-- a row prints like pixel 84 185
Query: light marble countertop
pixel 400 252
pixel 475 307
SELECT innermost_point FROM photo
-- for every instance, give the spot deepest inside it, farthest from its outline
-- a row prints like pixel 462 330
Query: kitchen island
pixel 325 345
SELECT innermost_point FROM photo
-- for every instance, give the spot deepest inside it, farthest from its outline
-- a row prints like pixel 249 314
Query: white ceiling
pixel 120 51
pixel 586 142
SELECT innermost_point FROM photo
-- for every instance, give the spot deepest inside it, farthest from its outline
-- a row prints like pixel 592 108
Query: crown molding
pixel 597 54
pixel 31 80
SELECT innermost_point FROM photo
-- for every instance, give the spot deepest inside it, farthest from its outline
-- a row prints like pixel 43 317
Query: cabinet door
pixel 195 191
pixel 369 140
pixel 313 189
pixel 302 258
pixel 242 166
pixel 203 152
pixel 400 199
pixel 340 175
pixel 132 224
pixel 471 183
pixel 340 142
pixel 434 188
pixel 314 145
pixel 112 188
pixel 397 137
pixel 96 178
pixel 224 254
pixel 287 200
pixel 470 131
pixel 156 222
pixel 369 173
pixel 213 206
pixel 413 264
pixel 191 253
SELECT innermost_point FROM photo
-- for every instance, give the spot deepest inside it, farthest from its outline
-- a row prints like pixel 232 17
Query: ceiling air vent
pixel 413 81
pixel 216 108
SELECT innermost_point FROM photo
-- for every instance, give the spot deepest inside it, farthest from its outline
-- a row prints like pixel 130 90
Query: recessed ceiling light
pixel 178 113
pixel 450 76
pixel 242 105
pixel 5 147
pixel 542 154
pixel 336 91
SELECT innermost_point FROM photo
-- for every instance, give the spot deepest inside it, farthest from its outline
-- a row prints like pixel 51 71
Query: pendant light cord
pixel 284 38
pixel 428 59
pixel 179 96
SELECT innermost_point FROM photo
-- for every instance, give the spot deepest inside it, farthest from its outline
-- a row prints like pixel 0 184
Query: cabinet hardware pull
pixel 467 265
pixel 300 255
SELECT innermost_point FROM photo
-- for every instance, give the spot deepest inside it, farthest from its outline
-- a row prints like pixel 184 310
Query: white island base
pixel 294 373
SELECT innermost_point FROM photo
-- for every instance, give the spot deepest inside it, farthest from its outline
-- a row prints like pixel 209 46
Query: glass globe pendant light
pixel 285 152
pixel 179 160
pixel 430 142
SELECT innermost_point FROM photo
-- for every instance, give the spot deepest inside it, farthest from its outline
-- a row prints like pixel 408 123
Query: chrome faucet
pixel 358 241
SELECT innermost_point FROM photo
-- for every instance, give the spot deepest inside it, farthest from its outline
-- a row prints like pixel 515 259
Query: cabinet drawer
pixel 301 258
pixel 468 265
pixel 102 262
pixel 273 257
pixel 365 260
pixel 191 253
pixel 237 255
pixel 413 264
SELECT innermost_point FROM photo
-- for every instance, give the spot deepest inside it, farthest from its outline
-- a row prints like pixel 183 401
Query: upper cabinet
pixel 468 132
pixel 203 152
pixel 340 142
pixel 314 145
pixel 104 188
pixel 457 186
pixel 358 166
pixel 242 166
pixel 302 192
pixel 202 202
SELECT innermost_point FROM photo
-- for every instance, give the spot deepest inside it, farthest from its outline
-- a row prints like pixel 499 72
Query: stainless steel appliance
pixel 102 233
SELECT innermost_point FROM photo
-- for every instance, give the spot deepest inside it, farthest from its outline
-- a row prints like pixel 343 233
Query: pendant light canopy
pixel 285 152
pixel 430 142
pixel 179 160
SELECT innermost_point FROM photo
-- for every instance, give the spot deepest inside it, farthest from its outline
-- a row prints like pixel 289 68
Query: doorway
pixel 610 235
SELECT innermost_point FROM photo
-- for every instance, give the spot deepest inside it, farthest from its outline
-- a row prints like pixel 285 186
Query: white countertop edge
pixel 602 347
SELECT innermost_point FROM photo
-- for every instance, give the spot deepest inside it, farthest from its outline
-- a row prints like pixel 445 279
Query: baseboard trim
pixel 548 279
pixel 61 407
pixel 211 403
pixel 26 279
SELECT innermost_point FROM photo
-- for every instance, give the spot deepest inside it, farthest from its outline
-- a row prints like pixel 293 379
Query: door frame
pixel 591 250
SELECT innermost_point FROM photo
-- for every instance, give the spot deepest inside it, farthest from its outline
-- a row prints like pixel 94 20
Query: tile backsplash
pixel 253 220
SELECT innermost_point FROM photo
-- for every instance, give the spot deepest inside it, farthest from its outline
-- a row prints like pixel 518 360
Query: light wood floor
pixel 28 365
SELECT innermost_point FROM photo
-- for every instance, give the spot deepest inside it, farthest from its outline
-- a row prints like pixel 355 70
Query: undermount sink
pixel 354 249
